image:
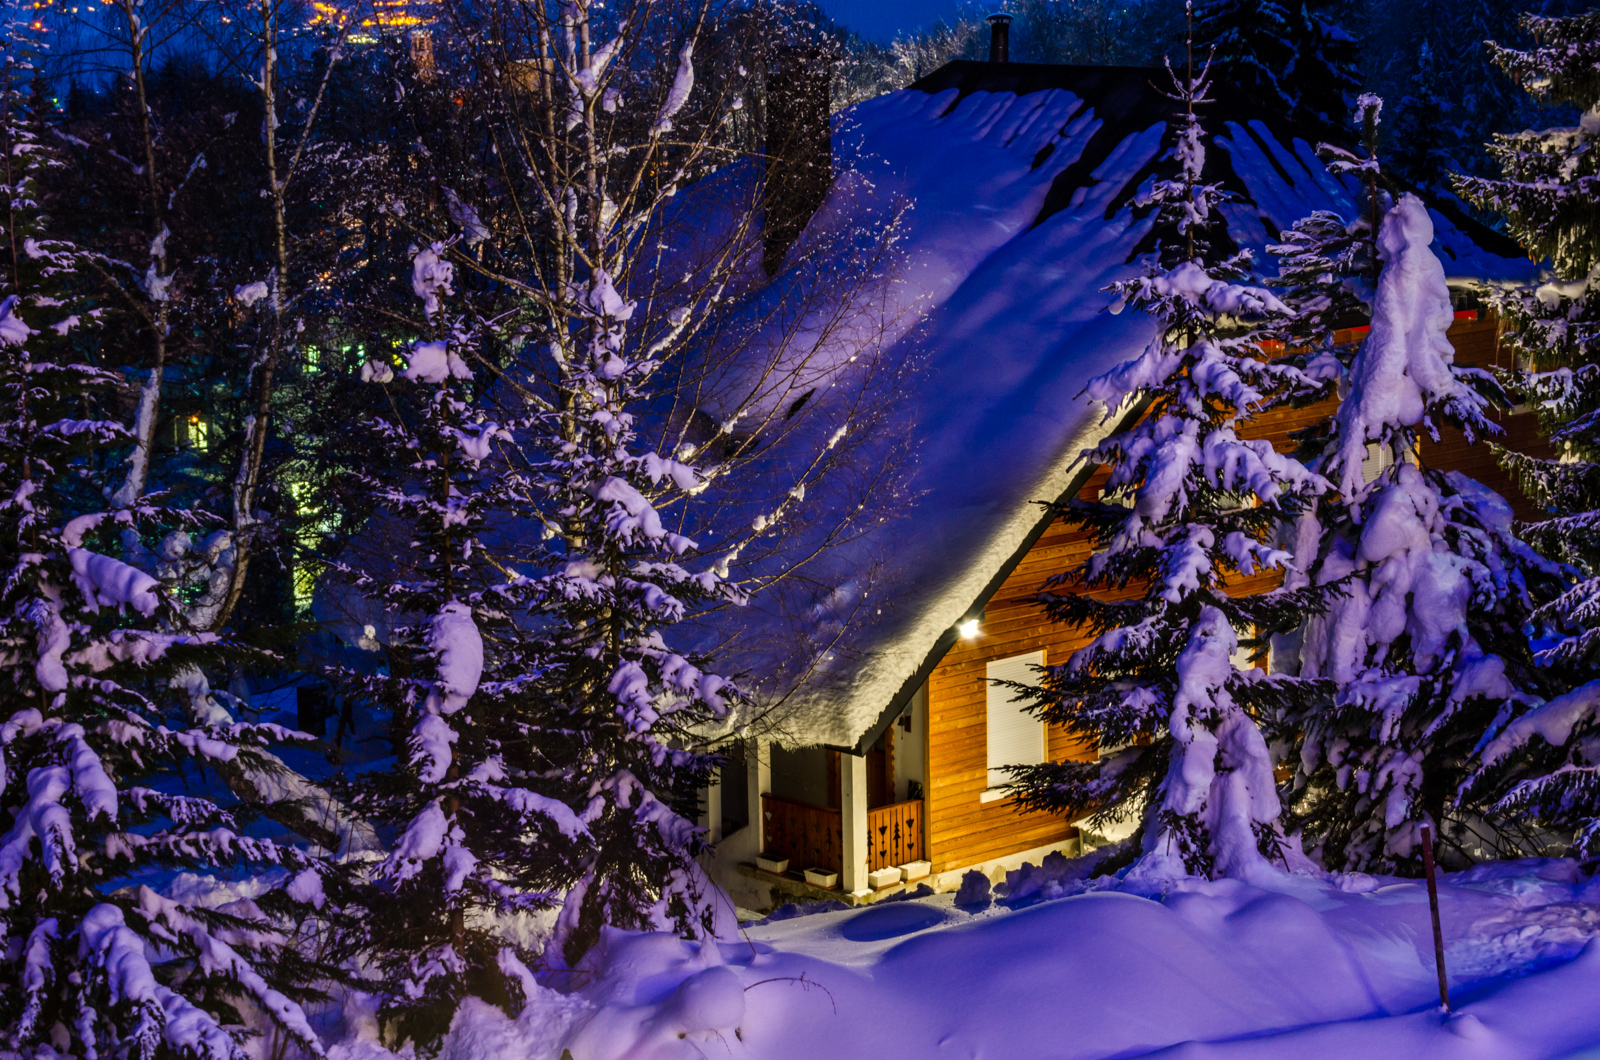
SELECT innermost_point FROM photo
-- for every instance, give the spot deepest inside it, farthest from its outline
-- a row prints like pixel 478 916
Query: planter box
pixel 822 878
pixel 778 866
pixel 883 878
pixel 915 870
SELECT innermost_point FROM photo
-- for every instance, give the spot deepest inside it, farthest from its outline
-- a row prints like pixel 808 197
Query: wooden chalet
pixel 885 769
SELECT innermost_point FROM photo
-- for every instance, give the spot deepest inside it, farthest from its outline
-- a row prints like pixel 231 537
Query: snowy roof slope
pixel 1021 180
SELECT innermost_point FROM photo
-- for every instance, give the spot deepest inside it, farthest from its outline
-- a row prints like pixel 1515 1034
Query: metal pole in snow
pixel 1433 907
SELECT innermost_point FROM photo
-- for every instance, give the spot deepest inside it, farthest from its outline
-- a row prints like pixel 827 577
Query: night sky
pixel 880 20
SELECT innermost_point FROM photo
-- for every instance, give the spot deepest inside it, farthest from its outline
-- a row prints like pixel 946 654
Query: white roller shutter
pixel 1377 460
pixel 1016 738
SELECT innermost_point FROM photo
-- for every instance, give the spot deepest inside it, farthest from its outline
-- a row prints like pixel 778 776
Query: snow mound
pixel 479 1030
pixel 1313 966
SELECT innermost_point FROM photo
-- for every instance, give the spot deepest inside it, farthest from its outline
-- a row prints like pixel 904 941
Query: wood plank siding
pixel 1477 346
pixel 962 830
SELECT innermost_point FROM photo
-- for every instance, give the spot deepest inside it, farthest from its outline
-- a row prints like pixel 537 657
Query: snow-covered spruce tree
pixel 95 741
pixel 623 377
pixel 24 158
pixel 1189 507
pixel 544 711
pixel 1427 645
pixel 1549 193
pixel 1327 271
pixel 477 835
pixel 626 712
pixel 87 770
pixel 628 377
pixel 44 270
pixel 634 707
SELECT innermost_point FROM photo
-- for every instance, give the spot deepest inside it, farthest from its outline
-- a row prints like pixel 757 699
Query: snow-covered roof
pixel 1020 180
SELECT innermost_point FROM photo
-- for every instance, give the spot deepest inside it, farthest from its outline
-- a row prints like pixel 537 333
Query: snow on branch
pixel 1405 375
pixel 678 94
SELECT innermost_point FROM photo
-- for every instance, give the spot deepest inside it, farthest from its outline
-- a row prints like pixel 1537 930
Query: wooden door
pixel 880 775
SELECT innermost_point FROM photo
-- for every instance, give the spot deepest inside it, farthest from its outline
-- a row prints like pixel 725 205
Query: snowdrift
pixel 1333 966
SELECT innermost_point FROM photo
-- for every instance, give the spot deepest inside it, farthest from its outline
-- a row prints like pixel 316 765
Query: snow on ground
pixel 1337 966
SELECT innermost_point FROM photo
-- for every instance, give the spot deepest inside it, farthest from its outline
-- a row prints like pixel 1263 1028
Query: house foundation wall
pixel 995 869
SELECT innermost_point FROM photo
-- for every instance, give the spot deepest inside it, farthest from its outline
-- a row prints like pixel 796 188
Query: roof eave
pixel 948 638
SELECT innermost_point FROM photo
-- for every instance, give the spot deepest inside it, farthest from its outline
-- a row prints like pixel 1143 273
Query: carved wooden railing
pixel 809 836
pixel 894 834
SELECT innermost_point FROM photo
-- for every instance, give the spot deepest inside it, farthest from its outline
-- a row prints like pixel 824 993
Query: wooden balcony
pixel 811 836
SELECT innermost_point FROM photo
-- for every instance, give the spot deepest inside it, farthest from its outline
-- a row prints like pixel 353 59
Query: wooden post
pixel 712 818
pixel 1433 907
pixel 758 782
pixel 853 822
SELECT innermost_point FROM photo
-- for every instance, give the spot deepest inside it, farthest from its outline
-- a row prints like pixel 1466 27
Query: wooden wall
pixel 964 831
pixel 1476 343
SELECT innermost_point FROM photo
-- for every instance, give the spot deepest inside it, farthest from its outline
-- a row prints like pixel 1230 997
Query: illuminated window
pixel 305 586
pixel 1379 458
pixel 194 432
pixel 315 523
pixel 305 573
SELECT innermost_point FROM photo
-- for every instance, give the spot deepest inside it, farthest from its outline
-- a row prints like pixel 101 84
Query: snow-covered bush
pixel 1190 508
pixel 974 891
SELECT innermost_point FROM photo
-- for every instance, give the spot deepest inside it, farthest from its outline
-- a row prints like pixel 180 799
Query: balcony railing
pixel 807 835
pixel 810 837
pixel 894 834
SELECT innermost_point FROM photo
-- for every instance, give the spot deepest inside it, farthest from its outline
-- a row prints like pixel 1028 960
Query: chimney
pixel 799 148
pixel 999 37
